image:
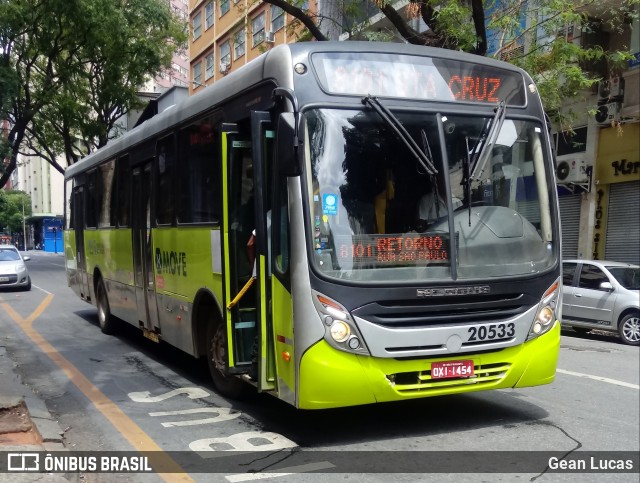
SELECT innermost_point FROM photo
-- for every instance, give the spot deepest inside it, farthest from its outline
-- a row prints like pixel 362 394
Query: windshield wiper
pixel 486 141
pixel 478 156
pixel 387 116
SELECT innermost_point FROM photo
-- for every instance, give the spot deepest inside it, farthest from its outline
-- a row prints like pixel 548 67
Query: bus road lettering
pixel 171 262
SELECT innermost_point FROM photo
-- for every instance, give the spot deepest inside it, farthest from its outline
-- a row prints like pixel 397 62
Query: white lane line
pixel 601 379
pixel 40 288
pixel 292 470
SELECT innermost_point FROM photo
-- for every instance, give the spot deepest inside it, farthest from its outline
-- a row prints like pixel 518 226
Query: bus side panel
pixel 108 252
pixel 283 341
pixel 183 264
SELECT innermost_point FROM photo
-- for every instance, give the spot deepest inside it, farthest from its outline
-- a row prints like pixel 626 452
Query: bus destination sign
pixel 394 249
pixel 416 77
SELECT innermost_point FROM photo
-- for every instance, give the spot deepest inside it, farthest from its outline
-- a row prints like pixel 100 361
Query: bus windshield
pixel 379 214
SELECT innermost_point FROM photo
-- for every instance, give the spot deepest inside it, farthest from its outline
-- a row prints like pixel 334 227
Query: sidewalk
pixel 25 422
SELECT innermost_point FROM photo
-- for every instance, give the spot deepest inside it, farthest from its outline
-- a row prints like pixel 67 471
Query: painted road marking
pixel 161 462
pixel 246 441
pixel 145 396
pixel 292 470
pixel 599 378
pixel 223 414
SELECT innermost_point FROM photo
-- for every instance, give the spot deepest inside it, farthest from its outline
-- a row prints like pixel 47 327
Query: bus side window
pixel 165 176
pixel 200 199
pixel 281 249
pixel 123 187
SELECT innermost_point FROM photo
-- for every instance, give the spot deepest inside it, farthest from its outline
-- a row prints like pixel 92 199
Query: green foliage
pixel 11 205
pixel 537 36
pixel 70 69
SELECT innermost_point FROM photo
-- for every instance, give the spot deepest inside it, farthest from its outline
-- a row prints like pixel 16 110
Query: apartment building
pixel 599 165
pixel 226 34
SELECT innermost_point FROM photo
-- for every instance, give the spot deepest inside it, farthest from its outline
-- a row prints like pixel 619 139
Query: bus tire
pixel 226 385
pixel 105 319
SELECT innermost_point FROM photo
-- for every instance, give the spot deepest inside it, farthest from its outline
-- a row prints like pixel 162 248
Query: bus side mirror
pixel 287 145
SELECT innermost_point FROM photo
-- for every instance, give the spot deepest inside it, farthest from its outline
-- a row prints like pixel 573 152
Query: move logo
pixel 170 262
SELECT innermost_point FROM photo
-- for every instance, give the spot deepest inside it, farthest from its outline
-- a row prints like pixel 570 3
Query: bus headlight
pixel 547 312
pixel 341 331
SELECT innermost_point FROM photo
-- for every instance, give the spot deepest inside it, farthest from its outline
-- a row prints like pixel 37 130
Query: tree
pixel 11 214
pixel 560 68
pixel 74 67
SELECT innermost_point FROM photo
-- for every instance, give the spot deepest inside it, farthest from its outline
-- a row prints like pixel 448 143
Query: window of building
pixel 570 142
pixel 209 66
pixel 196 25
pixel 257 29
pixel 208 15
pixel 225 53
pixel 277 18
pixel 224 7
pixel 239 41
pixel 197 74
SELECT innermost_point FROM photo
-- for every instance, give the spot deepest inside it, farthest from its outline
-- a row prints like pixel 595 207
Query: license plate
pixel 4 279
pixel 451 369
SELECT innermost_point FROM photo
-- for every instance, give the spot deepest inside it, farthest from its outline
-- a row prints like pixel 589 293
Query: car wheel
pixel 27 287
pixel 217 360
pixel 629 329
pixel 105 319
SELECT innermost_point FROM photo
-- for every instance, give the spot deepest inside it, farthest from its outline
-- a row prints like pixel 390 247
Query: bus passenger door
pixel 238 224
pixel 82 279
pixel 262 135
pixel 142 256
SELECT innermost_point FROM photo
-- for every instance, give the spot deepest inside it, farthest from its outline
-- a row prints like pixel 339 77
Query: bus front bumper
pixel 330 378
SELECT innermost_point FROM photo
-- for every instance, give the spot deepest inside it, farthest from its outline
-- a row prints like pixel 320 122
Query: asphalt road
pixel 123 392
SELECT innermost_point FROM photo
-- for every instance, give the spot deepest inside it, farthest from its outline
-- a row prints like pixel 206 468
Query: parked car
pixel 13 271
pixel 602 295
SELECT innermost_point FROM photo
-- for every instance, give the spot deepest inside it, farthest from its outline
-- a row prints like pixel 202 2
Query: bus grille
pixel 420 381
pixel 415 314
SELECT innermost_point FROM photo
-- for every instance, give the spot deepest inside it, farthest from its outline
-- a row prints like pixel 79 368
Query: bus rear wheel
pixel 226 385
pixel 105 319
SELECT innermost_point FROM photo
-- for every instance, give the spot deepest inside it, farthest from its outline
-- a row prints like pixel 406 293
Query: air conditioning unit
pixel 611 90
pixel 572 171
pixel 269 36
pixel 224 67
pixel 608 114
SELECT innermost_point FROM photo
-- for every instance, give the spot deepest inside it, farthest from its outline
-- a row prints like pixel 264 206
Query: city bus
pixel 334 224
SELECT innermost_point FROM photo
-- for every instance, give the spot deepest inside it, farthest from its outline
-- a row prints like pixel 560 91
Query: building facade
pixel 226 34
pixel 599 165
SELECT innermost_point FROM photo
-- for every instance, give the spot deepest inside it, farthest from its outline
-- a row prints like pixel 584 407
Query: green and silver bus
pixel 335 224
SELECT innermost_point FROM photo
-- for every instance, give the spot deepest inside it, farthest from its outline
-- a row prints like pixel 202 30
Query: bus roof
pixel 274 64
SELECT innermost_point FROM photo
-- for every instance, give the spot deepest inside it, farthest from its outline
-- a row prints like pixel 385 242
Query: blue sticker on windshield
pixel 330 204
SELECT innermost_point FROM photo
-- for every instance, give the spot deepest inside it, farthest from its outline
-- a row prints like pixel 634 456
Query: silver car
pixel 13 271
pixel 602 295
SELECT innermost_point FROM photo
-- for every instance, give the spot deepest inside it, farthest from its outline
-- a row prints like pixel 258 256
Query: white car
pixel 13 271
pixel 602 295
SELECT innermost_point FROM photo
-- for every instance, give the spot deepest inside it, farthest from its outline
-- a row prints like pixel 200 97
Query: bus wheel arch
pixel 211 342
pixel 105 318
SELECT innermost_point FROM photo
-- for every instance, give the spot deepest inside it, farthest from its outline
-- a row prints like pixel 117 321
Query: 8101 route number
pixel 491 332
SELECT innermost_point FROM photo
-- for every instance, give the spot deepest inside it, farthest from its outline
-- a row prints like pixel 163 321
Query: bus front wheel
pixel 105 319
pixel 217 360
